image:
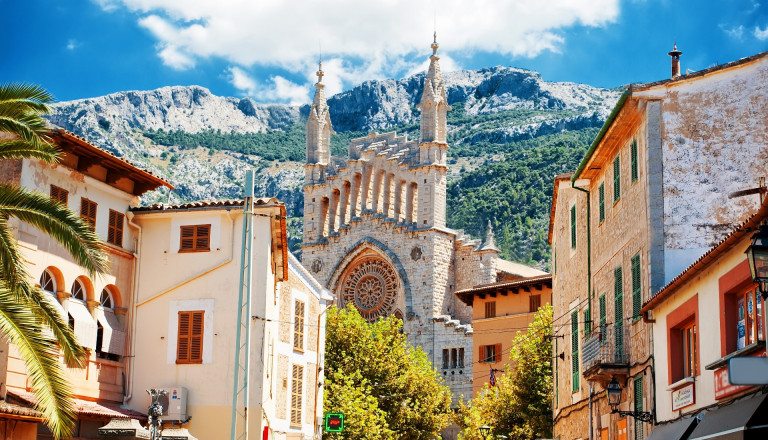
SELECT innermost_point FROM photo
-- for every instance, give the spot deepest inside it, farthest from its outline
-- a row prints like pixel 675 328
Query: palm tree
pixel 24 309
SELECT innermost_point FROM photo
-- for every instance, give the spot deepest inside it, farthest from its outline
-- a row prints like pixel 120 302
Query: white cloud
pixel 374 39
pixel 278 89
pixel 735 32
pixel 761 34
pixel 72 44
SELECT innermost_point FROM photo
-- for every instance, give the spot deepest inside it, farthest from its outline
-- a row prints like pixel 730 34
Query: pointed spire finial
pixel 434 45
pixel 489 244
pixel 320 72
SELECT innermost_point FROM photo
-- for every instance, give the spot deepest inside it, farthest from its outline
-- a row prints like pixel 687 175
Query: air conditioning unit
pixel 174 403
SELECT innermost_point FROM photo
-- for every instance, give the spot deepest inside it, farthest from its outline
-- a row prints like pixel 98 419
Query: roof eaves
pixel 558 178
pixel 600 134
pixel 466 295
pixel 698 73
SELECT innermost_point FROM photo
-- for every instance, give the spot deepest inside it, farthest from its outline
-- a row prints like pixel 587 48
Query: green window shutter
pixel 602 314
pixel 601 192
pixel 636 291
pixel 633 147
pixel 587 322
pixel 616 179
pixel 639 406
pixel 618 311
pixel 575 349
pixel 573 226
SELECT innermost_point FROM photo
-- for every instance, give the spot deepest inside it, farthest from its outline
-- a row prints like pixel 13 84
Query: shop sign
pixel 621 429
pixel 723 387
pixel 685 396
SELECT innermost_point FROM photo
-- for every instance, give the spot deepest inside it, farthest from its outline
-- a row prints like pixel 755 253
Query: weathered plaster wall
pixel 714 142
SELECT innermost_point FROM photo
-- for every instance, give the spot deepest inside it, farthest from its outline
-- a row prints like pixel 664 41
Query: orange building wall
pixel 512 315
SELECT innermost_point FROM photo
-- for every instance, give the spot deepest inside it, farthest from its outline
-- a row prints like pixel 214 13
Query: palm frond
pixel 21 109
pixel 21 149
pixel 59 222
pixel 31 96
pixel 20 325
pixel 13 277
pixel 29 127
pixel 12 271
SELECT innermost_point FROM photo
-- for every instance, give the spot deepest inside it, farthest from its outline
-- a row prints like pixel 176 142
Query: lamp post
pixel 484 430
pixel 613 393
pixel 757 256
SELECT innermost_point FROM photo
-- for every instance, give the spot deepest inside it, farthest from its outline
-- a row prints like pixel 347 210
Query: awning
pixel 680 429
pixel 745 419
pixel 85 326
pixel 113 337
pixel 54 302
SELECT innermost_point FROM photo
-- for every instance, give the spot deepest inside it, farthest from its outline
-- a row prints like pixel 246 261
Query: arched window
pixel 47 282
pixel 78 290
pixel 106 299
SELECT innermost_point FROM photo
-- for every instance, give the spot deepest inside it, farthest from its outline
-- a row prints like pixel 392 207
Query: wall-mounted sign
pixel 684 396
pixel 621 429
pixel 724 388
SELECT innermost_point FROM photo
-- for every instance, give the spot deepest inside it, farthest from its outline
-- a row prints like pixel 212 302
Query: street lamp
pixel 484 430
pixel 613 393
pixel 757 256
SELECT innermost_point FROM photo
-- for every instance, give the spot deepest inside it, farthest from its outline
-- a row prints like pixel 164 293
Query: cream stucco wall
pixel 42 252
pixel 705 285
pixel 170 281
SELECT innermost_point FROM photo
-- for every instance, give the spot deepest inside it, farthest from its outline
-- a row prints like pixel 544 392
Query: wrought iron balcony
pixel 606 353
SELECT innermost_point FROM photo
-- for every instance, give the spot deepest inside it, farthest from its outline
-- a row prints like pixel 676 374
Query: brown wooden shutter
pixel 195 238
pixel 298 326
pixel 88 212
pixel 497 355
pixel 297 386
pixel 189 349
pixel 203 237
pixel 535 303
pixel 115 229
pixel 187 238
pixel 182 348
pixel 481 353
pixel 196 338
pixel 59 194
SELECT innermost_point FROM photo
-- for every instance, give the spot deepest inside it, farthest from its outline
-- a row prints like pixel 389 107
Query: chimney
pixel 675 54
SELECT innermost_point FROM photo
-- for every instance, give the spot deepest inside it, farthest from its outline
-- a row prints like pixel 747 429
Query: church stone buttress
pixel 375 234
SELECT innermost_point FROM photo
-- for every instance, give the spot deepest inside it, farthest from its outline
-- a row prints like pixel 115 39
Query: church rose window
pixel 372 287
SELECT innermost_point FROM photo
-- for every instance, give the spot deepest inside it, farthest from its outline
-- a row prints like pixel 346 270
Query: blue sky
pixel 269 49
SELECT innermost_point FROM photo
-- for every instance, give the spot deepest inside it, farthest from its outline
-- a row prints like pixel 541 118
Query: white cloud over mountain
pixel 362 40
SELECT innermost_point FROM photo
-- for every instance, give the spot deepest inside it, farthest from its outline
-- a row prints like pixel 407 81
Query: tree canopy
pixel 519 406
pixel 386 388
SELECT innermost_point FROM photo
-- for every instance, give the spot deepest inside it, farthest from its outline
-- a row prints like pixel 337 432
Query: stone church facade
pixel 375 232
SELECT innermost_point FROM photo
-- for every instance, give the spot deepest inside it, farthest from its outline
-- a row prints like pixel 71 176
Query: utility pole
pixel 239 427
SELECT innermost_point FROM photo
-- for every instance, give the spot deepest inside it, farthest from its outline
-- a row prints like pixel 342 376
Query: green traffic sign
pixel 334 422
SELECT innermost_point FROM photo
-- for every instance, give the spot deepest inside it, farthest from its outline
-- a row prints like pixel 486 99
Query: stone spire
pixel 489 244
pixel 434 104
pixel 319 128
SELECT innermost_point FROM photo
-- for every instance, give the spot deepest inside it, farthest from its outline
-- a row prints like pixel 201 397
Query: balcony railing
pixel 608 346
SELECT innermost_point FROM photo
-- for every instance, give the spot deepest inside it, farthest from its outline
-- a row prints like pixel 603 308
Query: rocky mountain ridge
pixel 493 108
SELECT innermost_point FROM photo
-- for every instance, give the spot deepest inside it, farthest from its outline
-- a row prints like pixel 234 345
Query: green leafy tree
pixel 386 388
pixel 519 406
pixel 24 309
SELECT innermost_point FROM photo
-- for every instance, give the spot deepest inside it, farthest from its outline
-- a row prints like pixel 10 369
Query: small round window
pixel 47 282
pixel 106 299
pixel 78 290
